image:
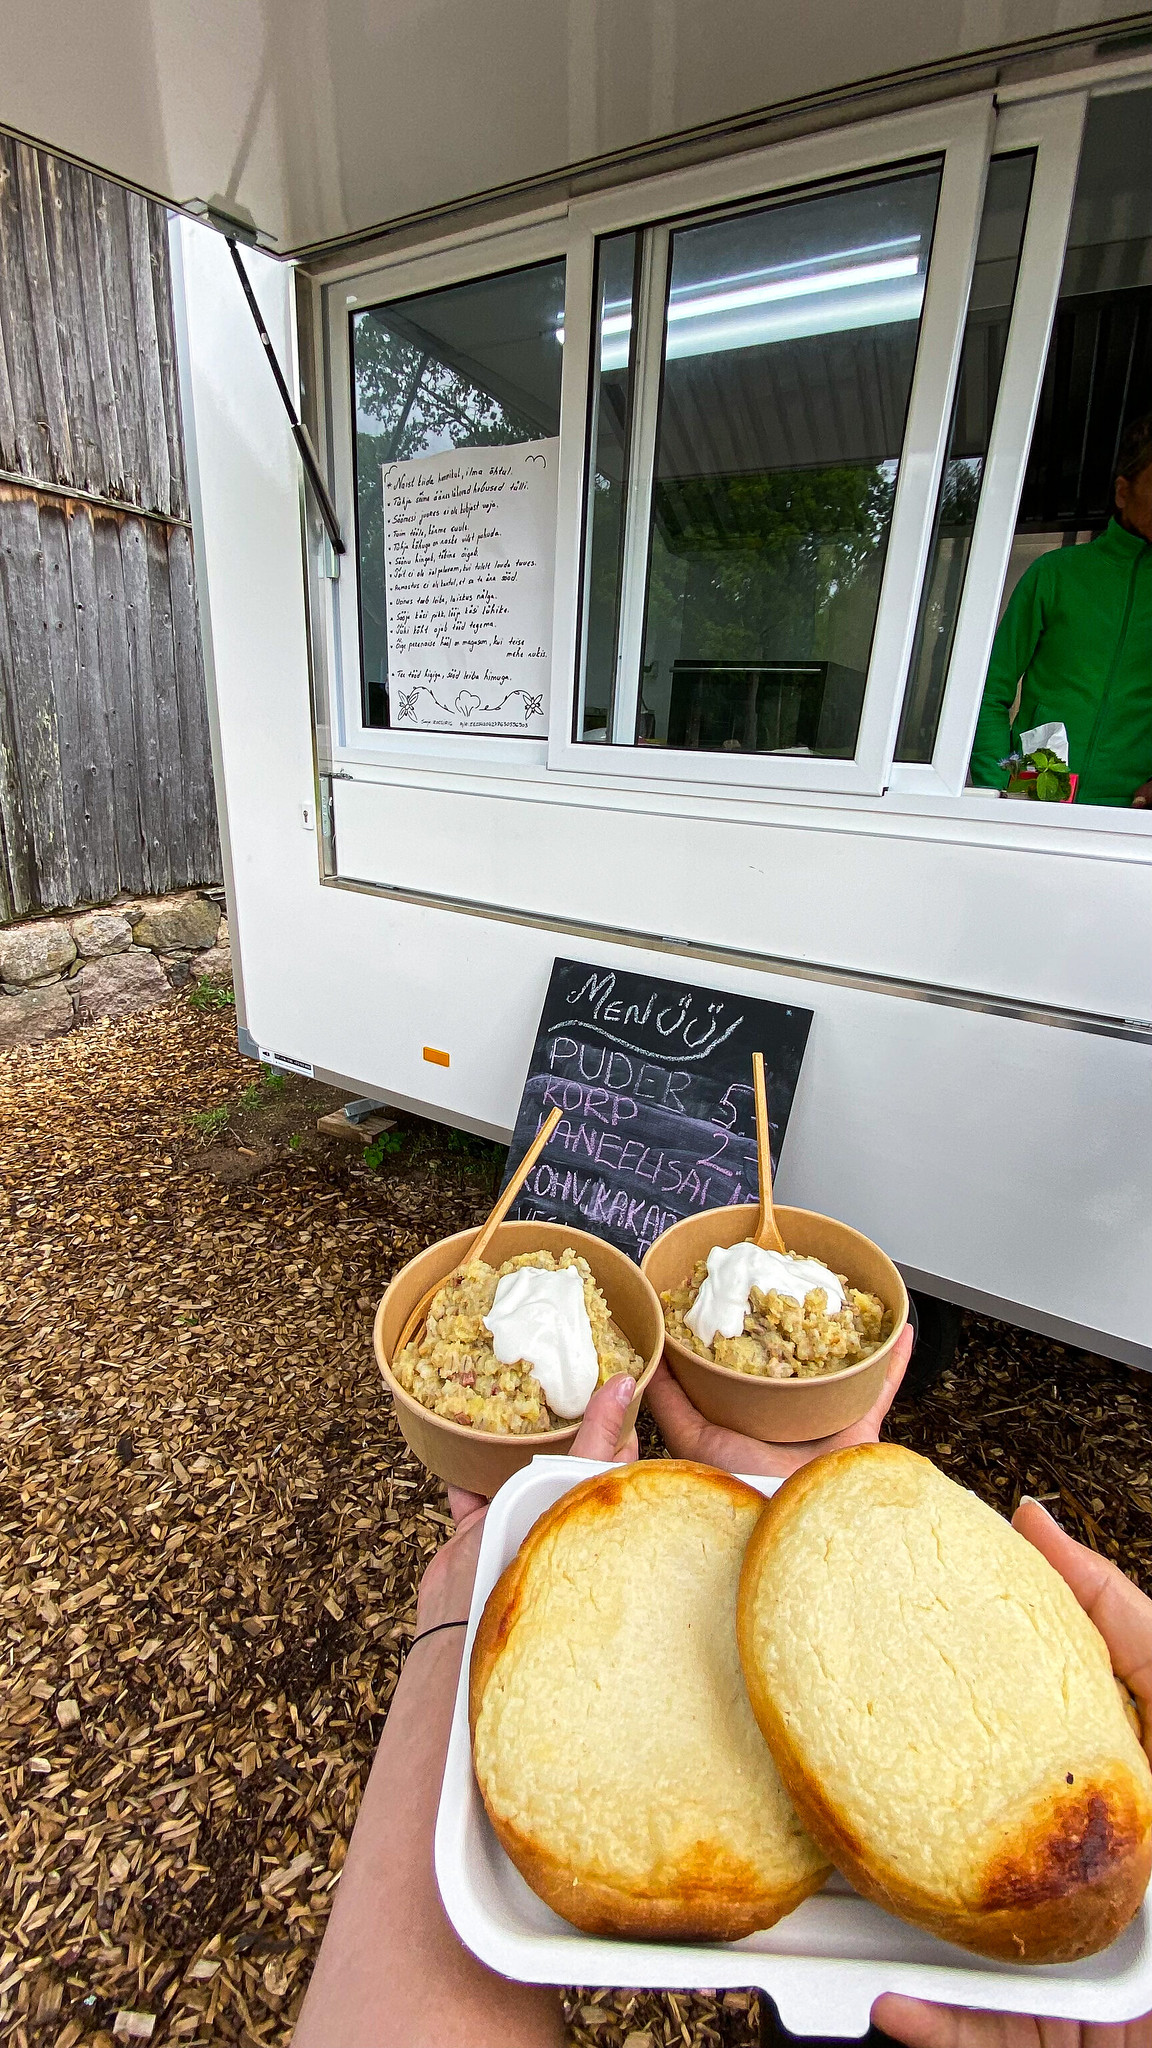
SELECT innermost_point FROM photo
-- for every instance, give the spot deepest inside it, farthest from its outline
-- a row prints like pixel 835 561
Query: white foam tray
pixel 822 1966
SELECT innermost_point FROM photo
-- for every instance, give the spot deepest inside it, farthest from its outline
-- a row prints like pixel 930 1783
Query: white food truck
pixel 692 381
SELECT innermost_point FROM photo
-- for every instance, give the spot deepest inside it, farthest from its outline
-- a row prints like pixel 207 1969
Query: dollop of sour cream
pixel 733 1271
pixel 540 1317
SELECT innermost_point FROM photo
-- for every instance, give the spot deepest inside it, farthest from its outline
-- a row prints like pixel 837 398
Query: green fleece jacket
pixel 1078 629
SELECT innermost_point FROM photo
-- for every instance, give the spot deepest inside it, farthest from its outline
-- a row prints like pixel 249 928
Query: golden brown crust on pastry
pixel 942 1711
pixel 614 1746
pixel 706 1897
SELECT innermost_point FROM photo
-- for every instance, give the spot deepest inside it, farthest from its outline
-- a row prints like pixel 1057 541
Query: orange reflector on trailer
pixel 436 1058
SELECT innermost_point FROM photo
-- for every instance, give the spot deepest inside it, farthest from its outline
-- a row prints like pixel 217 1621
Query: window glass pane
pixel 981 363
pixel 789 343
pixel 612 418
pixel 1072 646
pixel 469 367
pixel 1099 370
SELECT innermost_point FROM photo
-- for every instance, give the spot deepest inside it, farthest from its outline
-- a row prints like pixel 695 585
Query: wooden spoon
pixel 766 1234
pixel 414 1327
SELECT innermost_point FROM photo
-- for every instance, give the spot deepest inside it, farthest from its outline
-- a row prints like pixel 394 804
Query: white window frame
pixel 1054 128
pixel 453 262
pixel 960 131
pixel 1047 115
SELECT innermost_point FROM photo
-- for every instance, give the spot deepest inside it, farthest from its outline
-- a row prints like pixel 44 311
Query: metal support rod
pixel 644 410
pixel 299 431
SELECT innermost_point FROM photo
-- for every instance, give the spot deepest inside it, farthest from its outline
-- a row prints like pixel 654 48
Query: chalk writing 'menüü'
pixel 653 1081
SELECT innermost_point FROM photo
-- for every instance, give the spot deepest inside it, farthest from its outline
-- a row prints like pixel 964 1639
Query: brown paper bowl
pixel 779 1411
pixel 475 1458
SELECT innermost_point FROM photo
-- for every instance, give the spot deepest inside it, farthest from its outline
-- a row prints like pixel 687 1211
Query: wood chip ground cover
pixel 211 1533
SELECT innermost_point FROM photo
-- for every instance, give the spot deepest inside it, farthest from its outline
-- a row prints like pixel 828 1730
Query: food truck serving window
pixel 751 388
pixel 448 599
pixel 710 480
pixel 642 485
pixel 1071 667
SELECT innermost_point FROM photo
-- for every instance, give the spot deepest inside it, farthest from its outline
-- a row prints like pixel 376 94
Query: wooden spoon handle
pixel 514 1186
pixel 418 1318
pixel 483 1238
pixel 766 1234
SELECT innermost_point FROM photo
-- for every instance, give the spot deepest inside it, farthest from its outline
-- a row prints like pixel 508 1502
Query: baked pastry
pixel 611 1733
pixel 942 1710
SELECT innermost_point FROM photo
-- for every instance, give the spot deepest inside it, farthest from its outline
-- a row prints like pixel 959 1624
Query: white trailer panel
pixel 1001 1157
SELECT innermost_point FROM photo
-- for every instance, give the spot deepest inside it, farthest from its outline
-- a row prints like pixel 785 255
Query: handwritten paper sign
pixel 654 1079
pixel 469 547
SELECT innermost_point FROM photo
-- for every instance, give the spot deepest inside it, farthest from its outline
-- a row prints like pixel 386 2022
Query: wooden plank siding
pixel 105 763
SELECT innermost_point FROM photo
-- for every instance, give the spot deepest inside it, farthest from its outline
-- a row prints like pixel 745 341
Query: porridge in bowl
pixel 774 1315
pixel 468 1366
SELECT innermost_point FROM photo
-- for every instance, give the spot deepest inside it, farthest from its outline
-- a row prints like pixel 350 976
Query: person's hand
pixel 1123 1615
pixel 1142 801
pixel 446 1588
pixel 919 2025
pixel 687 1435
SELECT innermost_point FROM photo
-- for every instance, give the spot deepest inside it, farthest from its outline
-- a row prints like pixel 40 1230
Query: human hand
pixel 1142 801
pixel 446 1588
pixel 1123 1615
pixel 949 2026
pixel 687 1435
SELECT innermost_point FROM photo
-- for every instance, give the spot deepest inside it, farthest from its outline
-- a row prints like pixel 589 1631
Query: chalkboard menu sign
pixel 654 1079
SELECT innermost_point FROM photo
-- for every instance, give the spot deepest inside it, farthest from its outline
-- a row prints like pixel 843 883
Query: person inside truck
pixel 1076 640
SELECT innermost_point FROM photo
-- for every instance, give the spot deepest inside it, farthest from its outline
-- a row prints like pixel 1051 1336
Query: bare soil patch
pixel 211 1533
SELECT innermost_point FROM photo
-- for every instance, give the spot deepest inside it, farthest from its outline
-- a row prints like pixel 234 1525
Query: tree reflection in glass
pixel 788 349
pixel 473 366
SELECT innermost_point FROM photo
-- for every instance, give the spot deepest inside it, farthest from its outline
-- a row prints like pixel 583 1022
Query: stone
pixel 119 984
pixel 179 971
pixel 215 965
pixel 35 1014
pixel 100 932
pixel 30 952
pixel 172 921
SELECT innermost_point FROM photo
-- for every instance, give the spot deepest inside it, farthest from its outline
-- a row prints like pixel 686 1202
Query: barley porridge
pixel 782 1338
pixel 454 1370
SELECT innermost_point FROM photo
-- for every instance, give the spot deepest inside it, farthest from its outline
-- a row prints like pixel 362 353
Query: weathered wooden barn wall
pixel 105 770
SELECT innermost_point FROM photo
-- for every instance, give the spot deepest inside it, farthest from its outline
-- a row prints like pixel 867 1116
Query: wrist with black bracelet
pixel 435 1631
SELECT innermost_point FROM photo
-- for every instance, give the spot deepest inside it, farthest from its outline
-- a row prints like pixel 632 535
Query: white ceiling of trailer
pixel 323 118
